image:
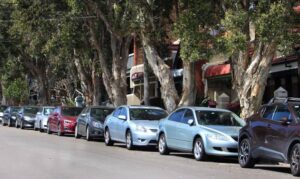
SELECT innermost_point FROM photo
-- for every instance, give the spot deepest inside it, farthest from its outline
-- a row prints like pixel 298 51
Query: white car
pixel 42 118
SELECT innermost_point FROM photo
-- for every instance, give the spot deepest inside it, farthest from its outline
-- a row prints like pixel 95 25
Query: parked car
pixel 133 125
pixel 26 116
pixel 272 134
pixel 90 122
pixel 2 109
pixel 9 115
pixel 63 120
pixel 42 118
pixel 200 130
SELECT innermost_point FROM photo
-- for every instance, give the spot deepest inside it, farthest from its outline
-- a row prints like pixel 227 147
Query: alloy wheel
pixel 162 145
pixel 295 160
pixel 88 138
pixel 244 155
pixel 107 139
pixel 129 140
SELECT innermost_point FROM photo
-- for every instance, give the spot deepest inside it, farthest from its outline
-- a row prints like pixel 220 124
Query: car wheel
pixel 16 124
pixel 40 129
pixel 162 145
pixel 77 135
pixel 198 150
pixel 245 158
pixel 59 132
pixel 3 123
pixel 22 125
pixel 48 129
pixel 295 160
pixel 88 135
pixel 129 143
pixel 9 123
pixel 34 127
pixel 107 139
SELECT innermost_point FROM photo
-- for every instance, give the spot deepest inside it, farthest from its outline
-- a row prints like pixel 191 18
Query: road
pixel 35 155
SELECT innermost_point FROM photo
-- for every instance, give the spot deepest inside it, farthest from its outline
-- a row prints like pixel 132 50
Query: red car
pixel 63 120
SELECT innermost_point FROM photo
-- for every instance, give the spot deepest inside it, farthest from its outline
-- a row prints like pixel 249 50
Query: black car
pixel 9 117
pixel 26 116
pixel 2 109
pixel 273 135
pixel 90 122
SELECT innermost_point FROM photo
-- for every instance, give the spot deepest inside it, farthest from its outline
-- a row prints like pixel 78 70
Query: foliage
pixel 17 90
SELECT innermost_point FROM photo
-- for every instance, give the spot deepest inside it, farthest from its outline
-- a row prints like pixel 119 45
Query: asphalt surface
pixel 35 155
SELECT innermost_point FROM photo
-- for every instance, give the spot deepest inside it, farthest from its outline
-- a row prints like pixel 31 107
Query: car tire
pixel 16 124
pixel 198 149
pixel 162 145
pixel 107 138
pixel 244 155
pixel 22 125
pixel 3 123
pixel 59 132
pixel 88 135
pixel 40 129
pixel 34 127
pixel 129 142
pixel 77 135
pixel 48 129
pixel 9 123
pixel 295 160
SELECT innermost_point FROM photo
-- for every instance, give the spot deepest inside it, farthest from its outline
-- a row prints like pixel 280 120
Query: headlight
pixel 141 128
pixel 26 118
pixel 67 122
pixel 217 137
pixel 13 117
pixel 97 124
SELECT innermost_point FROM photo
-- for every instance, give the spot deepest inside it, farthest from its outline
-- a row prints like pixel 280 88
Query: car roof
pixel 204 108
pixel 141 107
pixel 103 107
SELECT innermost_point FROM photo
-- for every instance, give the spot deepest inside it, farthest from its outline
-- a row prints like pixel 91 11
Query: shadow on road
pixel 213 159
pixel 279 169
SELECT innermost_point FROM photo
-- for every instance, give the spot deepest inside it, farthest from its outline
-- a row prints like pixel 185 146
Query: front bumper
pixel 29 123
pixel 69 128
pixel 221 148
pixel 96 132
pixel 144 138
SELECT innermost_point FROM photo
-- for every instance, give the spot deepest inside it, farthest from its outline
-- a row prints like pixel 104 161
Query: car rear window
pixel 71 111
pixel 31 110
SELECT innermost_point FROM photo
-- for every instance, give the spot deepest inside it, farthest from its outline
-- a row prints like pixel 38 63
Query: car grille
pixel 236 138
pixel 153 130
pixel 232 150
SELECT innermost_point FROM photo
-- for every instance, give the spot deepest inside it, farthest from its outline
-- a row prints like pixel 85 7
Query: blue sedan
pixel 201 131
pixel 133 125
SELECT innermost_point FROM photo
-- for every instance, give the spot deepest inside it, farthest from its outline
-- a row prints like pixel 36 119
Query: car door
pixel 121 124
pixel 277 139
pixel 112 123
pixel 260 127
pixel 185 130
pixel 81 121
pixel 172 126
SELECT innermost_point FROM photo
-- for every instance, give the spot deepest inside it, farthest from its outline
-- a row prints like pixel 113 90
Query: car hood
pixel 146 123
pixel 228 130
pixel 70 118
pixel 29 115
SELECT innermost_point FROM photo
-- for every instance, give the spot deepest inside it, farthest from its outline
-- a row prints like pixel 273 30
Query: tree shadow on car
pixel 276 168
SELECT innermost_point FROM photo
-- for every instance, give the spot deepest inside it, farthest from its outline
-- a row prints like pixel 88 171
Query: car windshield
pixel 2 108
pixel 30 110
pixel 147 114
pixel 221 118
pixel 71 111
pixel 47 111
pixel 100 113
pixel 15 109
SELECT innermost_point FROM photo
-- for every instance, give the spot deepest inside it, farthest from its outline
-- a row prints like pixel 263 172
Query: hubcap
pixel 107 136
pixel 244 152
pixel 198 149
pixel 88 133
pixel 161 144
pixel 128 140
pixel 295 159
pixel 76 132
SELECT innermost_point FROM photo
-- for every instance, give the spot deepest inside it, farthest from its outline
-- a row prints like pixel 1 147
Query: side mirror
pixel 122 117
pixel 285 121
pixel 190 122
pixel 83 115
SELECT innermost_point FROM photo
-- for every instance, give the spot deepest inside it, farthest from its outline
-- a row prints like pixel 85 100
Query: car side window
pixel 187 116
pixel 282 112
pixel 177 115
pixel 117 112
pixel 123 112
pixel 269 112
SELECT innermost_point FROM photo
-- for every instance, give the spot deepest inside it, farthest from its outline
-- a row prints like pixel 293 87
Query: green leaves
pixel 17 90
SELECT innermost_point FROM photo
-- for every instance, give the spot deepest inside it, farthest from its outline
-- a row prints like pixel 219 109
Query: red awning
pixel 218 70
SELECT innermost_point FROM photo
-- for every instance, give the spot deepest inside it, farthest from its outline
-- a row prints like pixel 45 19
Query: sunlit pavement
pixel 31 154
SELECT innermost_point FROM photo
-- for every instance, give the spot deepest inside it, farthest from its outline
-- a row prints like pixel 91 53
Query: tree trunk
pixel 96 80
pixel 146 82
pixel 188 92
pixel 43 88
pixel 163 73
pixel 250 78
pixel 3 98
